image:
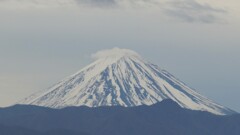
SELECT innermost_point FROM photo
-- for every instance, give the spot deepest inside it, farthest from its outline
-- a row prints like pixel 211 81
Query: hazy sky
pixel 43 41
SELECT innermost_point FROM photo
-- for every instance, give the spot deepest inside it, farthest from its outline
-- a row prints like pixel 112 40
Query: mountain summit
pixel 120 77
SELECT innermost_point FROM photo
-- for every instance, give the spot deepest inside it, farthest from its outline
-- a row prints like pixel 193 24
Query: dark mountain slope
pixel 164 118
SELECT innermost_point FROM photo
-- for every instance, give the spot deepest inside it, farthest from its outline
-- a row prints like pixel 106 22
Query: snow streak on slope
pixel 120 77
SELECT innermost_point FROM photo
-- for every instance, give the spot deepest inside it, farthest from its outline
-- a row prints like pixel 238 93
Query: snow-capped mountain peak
pixel 120 77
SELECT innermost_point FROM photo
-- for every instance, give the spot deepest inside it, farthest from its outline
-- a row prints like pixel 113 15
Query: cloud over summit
pixel 114 53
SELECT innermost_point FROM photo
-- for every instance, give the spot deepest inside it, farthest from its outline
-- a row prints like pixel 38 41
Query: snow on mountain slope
pixel 120 77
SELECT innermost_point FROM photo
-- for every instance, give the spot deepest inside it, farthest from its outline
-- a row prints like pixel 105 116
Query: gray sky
pixel 41 42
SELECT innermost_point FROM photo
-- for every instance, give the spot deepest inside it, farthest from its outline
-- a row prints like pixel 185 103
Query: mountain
pixel 165 118
pixel 120 77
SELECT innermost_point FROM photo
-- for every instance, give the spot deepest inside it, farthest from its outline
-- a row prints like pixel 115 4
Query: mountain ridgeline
pixel 163 118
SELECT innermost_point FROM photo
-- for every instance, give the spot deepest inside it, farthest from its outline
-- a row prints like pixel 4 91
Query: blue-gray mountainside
pixel 163 118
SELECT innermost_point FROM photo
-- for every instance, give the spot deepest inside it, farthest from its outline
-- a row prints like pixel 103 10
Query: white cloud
pixel 187 10
pixel 193 11
pixel 114 53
